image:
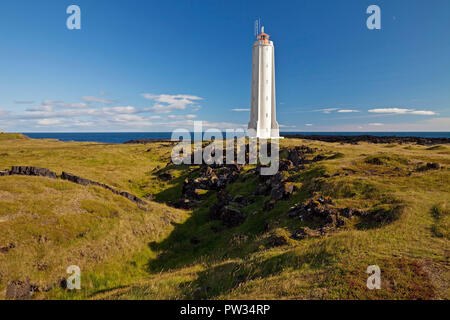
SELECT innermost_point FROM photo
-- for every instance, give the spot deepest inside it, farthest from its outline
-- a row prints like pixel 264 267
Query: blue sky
pixel 159 65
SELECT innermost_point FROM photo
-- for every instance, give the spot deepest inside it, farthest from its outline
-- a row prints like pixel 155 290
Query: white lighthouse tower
pixel 263 121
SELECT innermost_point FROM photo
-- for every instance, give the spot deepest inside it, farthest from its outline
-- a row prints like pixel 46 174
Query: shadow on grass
pixel 223 278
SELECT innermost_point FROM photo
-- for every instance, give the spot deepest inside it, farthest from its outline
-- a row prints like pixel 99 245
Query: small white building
pixel 263 114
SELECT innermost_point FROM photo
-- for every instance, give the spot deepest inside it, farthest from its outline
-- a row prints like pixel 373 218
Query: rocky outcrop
pixel 42 172
pixel 323 212
pixel 212 177
pixel 277 241
pixel 32 171
pixel 226 210
pixel 306 232
pixel 371 139
pixel 82 181
pixel 430 166
pixel 165 176
pixel 145 141
pixel 276 186
pixel 20 290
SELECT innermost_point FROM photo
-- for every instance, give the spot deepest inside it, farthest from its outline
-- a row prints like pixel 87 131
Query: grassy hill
pixel 160 252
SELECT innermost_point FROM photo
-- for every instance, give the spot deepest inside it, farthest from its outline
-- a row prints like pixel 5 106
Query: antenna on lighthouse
pixel 257 27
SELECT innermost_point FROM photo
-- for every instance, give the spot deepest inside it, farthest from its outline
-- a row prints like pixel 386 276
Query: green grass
pixel 129 253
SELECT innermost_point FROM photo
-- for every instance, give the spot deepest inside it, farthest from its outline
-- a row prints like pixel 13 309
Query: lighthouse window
pixel 267 98
pixel 267 115
pixel 267 65
pixel 267 81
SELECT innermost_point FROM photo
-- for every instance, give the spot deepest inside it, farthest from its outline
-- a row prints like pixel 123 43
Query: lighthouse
pixel 263 121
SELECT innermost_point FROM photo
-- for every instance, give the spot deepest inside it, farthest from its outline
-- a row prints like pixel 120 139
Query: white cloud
pixel 91 99
pixel 402 111
pixel 308 124
pixel 115 110
pixel 347 111
pixel 167 103
pixel 40 108
pixel 240 110
pixel 205 124
pixel 327 110
pixel 376 124
pixel 424 113
pixel 48 122
pixel 187 116
pixel 63 104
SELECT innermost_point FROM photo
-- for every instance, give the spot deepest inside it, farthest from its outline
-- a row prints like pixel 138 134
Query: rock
pixel 75 179
pixel 288 190
pixel 319 157
pixel 282 191
pixel 285 165
pixel 433 166
pixel 149 196
pixel 32 171
pixel 5 249
pixel 184 204
pixel 165 176
pixel 294 211
pixel 294 157
pixel 275 241
pixel 4 173
pixel 349 212
pixel 375 160
pixel 215 212
pixel 277 193
pixel 131 197
pixel 371 139
pixel 19 290
pixel 269 205
pixel 232 217
pixel 305 232
pixel 262 189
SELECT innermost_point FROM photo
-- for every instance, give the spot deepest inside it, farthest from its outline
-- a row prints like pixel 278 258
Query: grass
pixel 128 253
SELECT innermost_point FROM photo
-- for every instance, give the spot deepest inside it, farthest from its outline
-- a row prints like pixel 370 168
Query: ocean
pixel 121 137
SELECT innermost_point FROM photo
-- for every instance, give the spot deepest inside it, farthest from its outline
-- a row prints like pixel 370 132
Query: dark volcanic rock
pixel 165 176
pixel 226 210
pixel 321 211
pixel 85 182
pixel 433 166
pixel 75 179
pixel 319 157
pixel 19 290
pixel 285 165
pixel 275 241
pixel 305 232
pixel 145 141
pixel 372 139
pixel 5 249
pixel 4 173
pixel 32 171
pixel 232 217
